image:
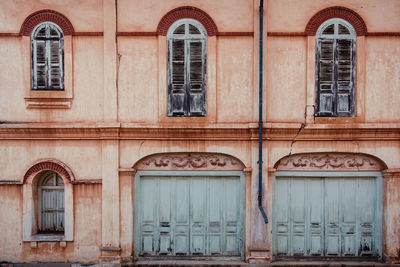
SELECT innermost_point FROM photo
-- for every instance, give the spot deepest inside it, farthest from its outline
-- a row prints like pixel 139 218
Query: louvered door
pixel 325 217
pixel 189 216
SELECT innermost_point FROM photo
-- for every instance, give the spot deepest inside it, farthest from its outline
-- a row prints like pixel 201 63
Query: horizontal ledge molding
pixel 286 34
pixel 10 182
pixel 110 249
pixel 87 181
pixel 88 34
pixel 383 34
pixel 156 34
pixel 235 33
pixel 290 34
pixel 137 34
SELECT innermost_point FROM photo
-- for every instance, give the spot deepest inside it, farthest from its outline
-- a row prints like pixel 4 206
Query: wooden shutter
pixel 47 58
pixel 176 90
pixel 55 73
pixel 325 77
pixel 39 61
pixel 196 88
pixel 345 71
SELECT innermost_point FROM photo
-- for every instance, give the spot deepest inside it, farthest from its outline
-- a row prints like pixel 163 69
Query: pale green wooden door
pixel 189 216
pixel 325 217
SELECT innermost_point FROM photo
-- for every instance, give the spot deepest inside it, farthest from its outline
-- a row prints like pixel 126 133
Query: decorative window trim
pixel 29 207
pixel 211 62
pixel 38 99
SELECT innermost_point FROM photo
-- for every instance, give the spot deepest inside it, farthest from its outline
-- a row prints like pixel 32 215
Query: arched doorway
pixel 189 205
pixel 328 206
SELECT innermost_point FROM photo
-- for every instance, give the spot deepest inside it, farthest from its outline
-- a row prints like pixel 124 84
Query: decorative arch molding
pixel 48 165
pixel 330 162
pixel 187 12
pixel 190 162
pixel 336 12
pixel 46 15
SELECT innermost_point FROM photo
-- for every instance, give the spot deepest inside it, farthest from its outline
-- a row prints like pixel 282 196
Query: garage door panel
pixel 315 216
pixel 198 193
pixel 281 216
pixel 297 212
pixel 149 216
pixel 339 218
pixel 332 217
pixel 215 218
pixel 189 216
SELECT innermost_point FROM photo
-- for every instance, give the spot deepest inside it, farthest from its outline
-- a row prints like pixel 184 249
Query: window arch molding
pixel 30 187
pixel 187 12
pixel 46 15
pixel 336 12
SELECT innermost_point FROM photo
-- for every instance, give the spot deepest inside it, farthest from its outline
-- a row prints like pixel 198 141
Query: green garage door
pixel 326 217
pixel 188 216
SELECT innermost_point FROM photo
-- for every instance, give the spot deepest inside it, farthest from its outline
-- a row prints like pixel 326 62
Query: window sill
pixel 337 120
pixel 48 238
pixel 48 103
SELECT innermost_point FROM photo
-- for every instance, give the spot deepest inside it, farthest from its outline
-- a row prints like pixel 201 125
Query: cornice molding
pixel 236 132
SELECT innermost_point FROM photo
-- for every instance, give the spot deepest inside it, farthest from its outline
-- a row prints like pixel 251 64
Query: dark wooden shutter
pixel 176 94
pixel 55 65
pixel 40 72
pixel 325 77
pixel 345 72
pixel 196 88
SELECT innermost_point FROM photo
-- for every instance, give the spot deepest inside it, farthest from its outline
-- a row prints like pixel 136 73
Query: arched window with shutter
pixel 51 203
pixel 335 69
pixel 187 40
pixel 47 57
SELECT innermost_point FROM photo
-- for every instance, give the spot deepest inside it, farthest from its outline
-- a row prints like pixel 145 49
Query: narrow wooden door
pixel 189 216
pixel 325 217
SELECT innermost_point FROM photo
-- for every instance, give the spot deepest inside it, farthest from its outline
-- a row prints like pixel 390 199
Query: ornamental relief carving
pixel 330 161
pixel 190 161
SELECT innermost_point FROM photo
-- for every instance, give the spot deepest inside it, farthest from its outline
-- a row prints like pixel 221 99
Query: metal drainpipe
pixel 260 124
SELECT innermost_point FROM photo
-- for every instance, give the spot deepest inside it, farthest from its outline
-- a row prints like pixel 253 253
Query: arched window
pixel 186 69
pixel 47 57
pixel 50 203
pixel 335 69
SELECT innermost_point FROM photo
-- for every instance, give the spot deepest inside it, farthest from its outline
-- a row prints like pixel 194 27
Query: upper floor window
pixel 187 41
pixel 51 203
pixel 335 69
pixel 47 57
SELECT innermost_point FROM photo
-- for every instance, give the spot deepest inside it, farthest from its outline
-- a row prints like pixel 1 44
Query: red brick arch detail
pixel 336 12
pixel 46 15
pixel 50 165
pixel 187 12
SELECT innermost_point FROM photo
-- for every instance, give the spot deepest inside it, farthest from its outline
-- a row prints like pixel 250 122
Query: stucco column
pixel 391 225
pixel 110 61
pixel 110 250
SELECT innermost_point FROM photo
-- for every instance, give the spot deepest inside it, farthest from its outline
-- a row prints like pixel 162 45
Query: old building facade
pixel 130 130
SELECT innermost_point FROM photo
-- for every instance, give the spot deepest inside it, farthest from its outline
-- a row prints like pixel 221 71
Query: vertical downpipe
pixel 260 118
